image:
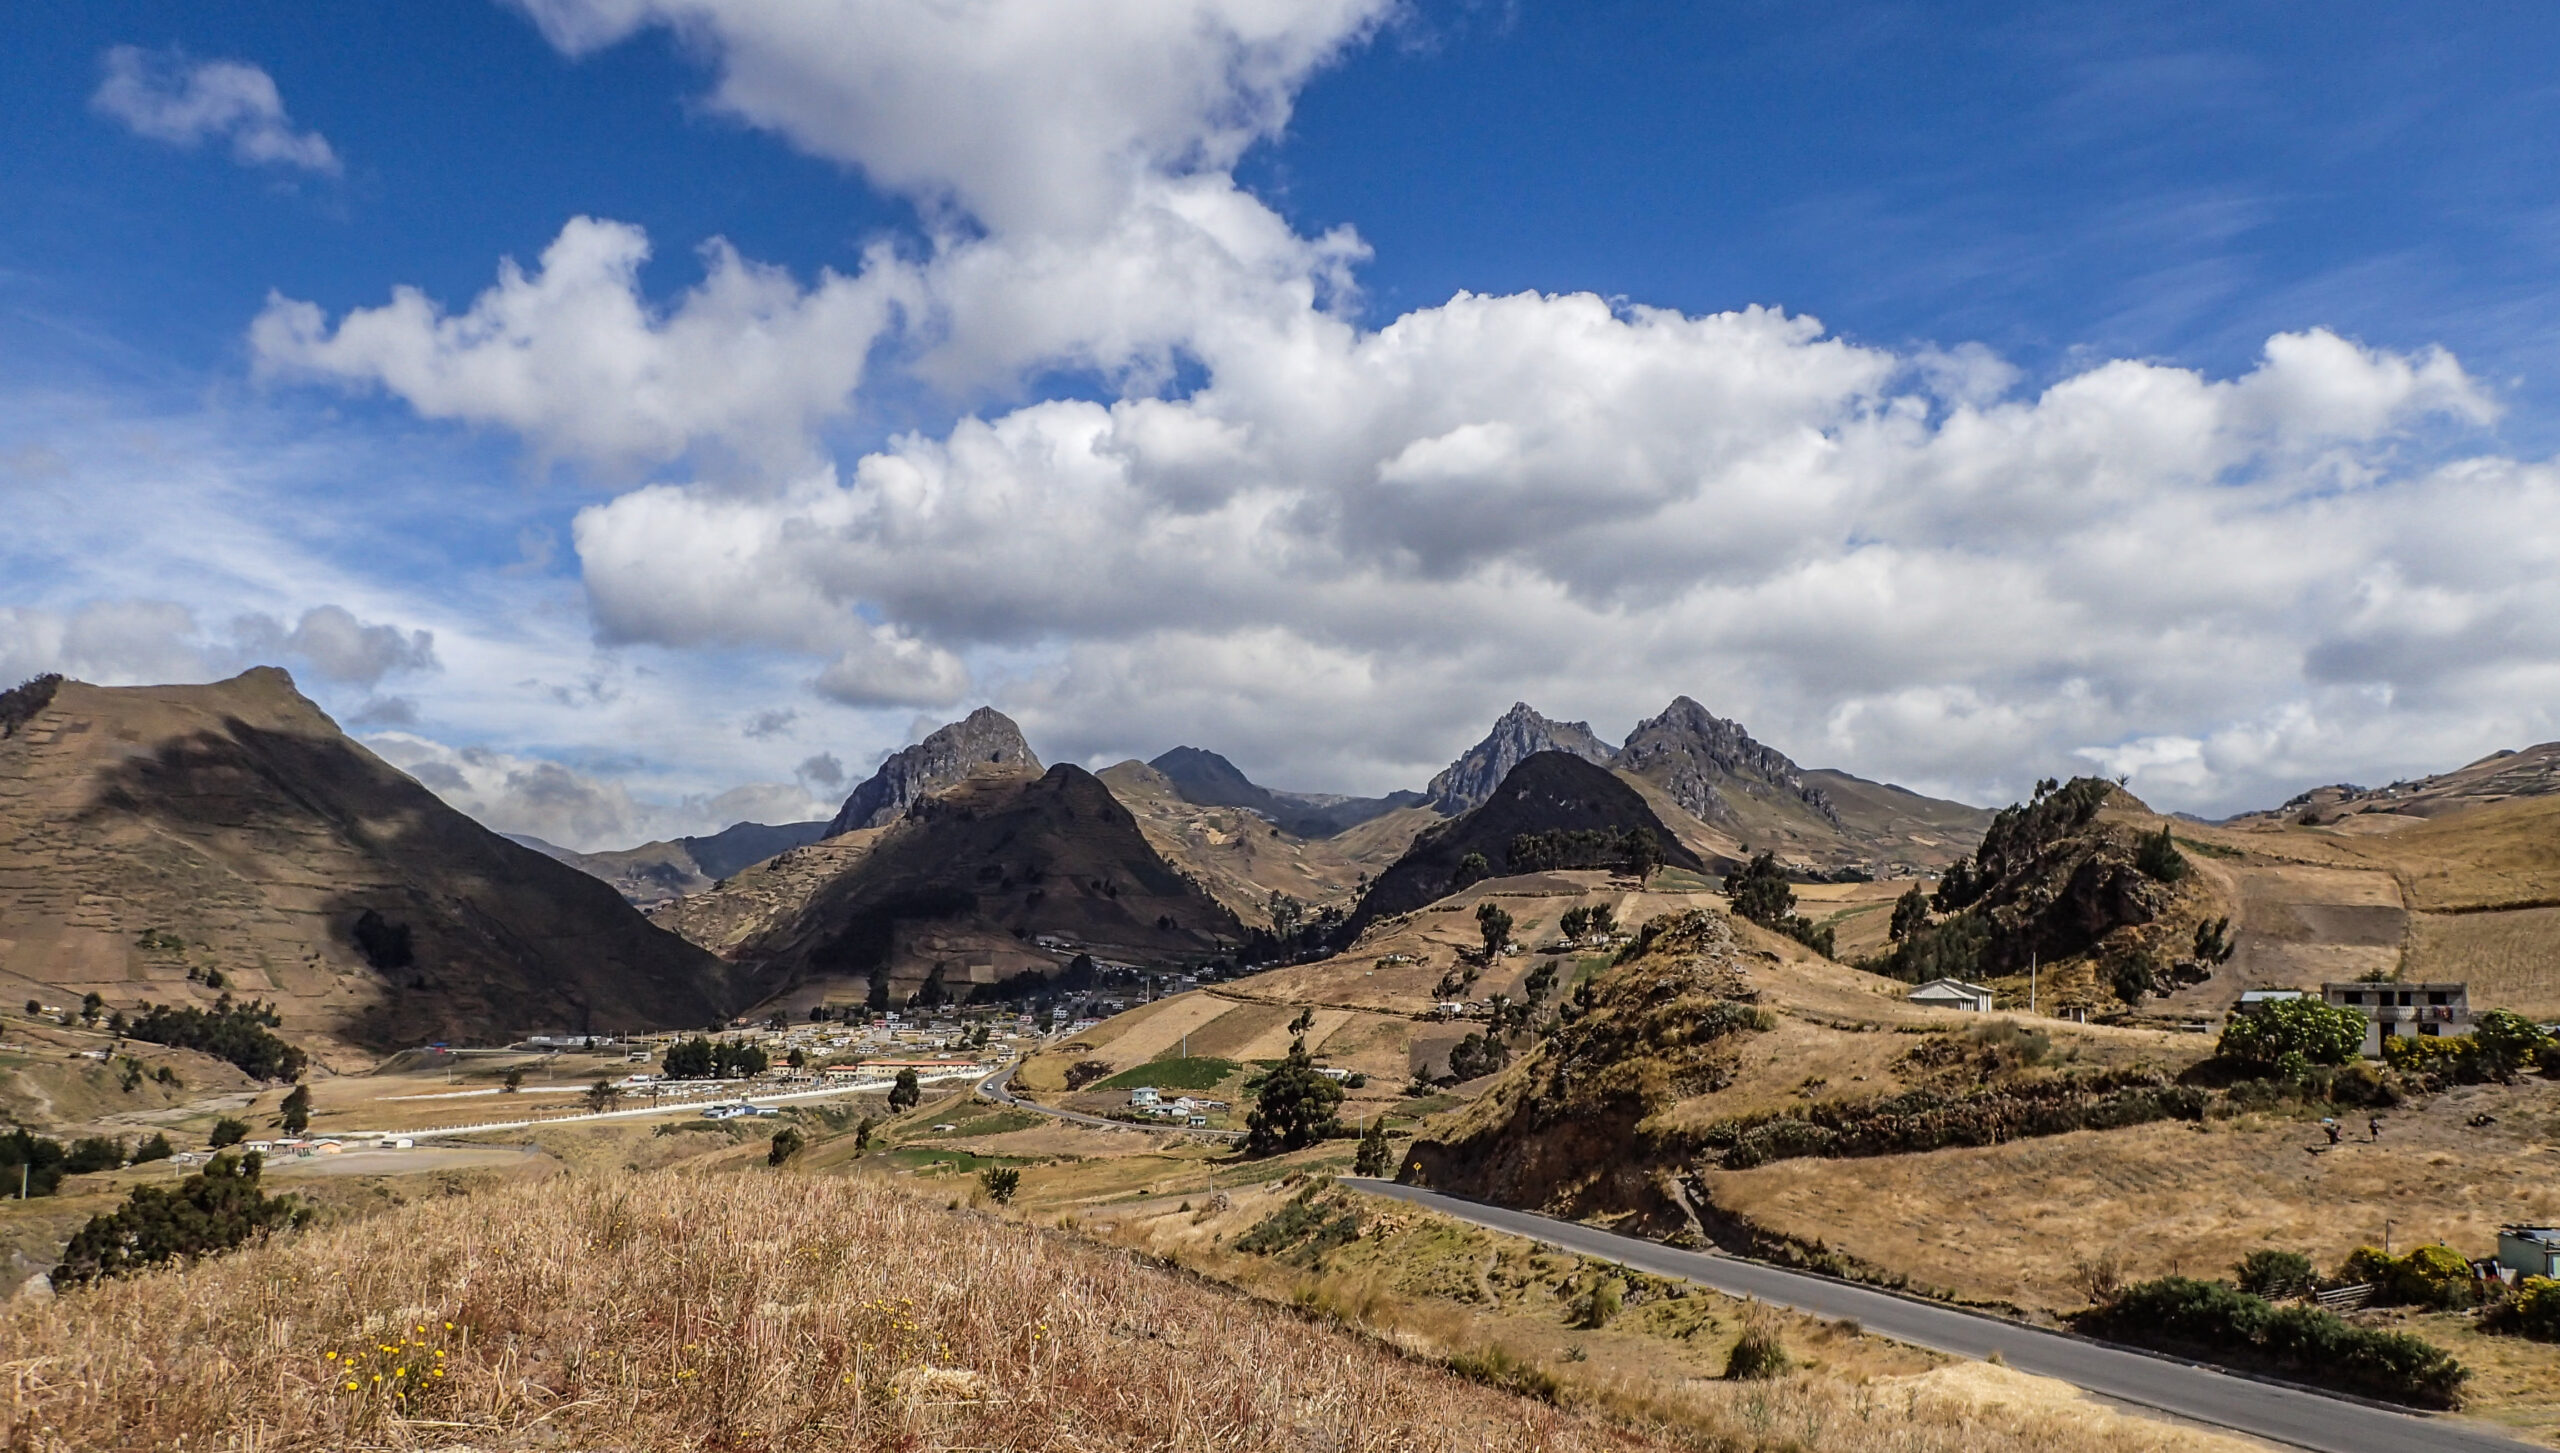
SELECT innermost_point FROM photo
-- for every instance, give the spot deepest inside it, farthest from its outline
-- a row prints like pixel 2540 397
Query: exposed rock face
pixel 1689 751
pixel 1560 1130
pixel 1468 781
pixel 985 739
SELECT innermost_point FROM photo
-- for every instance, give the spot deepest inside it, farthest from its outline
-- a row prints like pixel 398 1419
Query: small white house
pixel 1952 994
pixel 2530 1250
pixel 1330 1073
pixel 1143 1096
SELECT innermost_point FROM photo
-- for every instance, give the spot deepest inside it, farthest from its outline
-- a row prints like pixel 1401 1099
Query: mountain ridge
pixel 151 837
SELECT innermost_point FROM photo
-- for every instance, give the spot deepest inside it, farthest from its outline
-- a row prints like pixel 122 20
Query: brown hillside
pixel 246 832
pixel 764 898
pixel 2498 777
pixel 970 880
pixel 1244 859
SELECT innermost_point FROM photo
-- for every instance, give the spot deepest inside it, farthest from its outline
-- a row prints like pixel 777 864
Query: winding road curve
pixel 2281 1413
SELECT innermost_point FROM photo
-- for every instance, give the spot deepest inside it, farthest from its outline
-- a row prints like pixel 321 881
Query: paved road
pixel 993 1087
pixel 2283 1414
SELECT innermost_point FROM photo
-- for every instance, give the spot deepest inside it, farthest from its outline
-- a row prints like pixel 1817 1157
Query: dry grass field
pixel 2511 959
pixel 683 1312
pixel 762 1310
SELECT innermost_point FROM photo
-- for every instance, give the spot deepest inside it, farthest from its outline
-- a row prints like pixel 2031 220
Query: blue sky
pixel 1305 379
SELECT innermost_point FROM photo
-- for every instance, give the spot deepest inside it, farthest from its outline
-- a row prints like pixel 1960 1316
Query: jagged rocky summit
pixel 986 739
pixel 1687 748
pixel 1521 733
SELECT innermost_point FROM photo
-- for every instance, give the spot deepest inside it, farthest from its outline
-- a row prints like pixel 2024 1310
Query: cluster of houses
pixel 1189 1109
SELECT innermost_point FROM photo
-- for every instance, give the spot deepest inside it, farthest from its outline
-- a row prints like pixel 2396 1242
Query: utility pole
pixel 2031 981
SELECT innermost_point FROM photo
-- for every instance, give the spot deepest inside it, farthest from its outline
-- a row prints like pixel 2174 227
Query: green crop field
pixel 1201 1072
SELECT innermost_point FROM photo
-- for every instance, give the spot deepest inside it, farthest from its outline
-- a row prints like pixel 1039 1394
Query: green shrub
pixel 1001 1182
pixel 227 1132
pixel 787 1142
pixel 2300 1341
pixel 2265 1037
pixel 210 1212
pixel 1757 1354
pixel 1598 1304
pixel 1930 1119
pixel 2507 1042
pixel 156 1148
pixel 2534 1312
pixel 31 1163
pixel 2431 1276
pixel 2158 857
pixel 1304 1227
pixel 2270 1273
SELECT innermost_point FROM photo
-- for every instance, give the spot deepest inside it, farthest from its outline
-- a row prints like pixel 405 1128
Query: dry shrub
pixel 663 1311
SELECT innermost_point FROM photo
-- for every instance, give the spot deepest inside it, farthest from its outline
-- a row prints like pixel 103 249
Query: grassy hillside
pixel 1244 859
pixel 153 837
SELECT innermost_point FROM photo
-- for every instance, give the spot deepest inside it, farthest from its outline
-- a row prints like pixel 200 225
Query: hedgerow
pixel 1927 1119
pixel 2182 1314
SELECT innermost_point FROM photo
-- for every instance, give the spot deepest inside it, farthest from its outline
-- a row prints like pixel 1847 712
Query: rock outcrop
pixel 984 740
pixel 1521 733
pixel 1701 759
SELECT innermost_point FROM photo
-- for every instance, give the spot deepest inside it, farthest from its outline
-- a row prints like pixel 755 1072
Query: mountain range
pixel 158 842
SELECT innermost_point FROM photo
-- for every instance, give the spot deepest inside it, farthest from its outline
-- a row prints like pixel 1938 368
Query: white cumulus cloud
pixel 1340 549
pixel 572 357
pixel 1031 116
pixel 166 96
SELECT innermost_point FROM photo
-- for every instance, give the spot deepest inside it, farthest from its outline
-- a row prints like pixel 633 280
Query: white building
pixel 2400 1010
pixel 1953 994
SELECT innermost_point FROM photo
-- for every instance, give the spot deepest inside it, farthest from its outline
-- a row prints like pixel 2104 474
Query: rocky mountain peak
pixel 1520 734
pixel 985 740
pixel 1687 748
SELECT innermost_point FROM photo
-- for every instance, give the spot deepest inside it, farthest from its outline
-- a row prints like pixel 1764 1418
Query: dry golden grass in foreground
pixel 724 1312
pixel 1444 1290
